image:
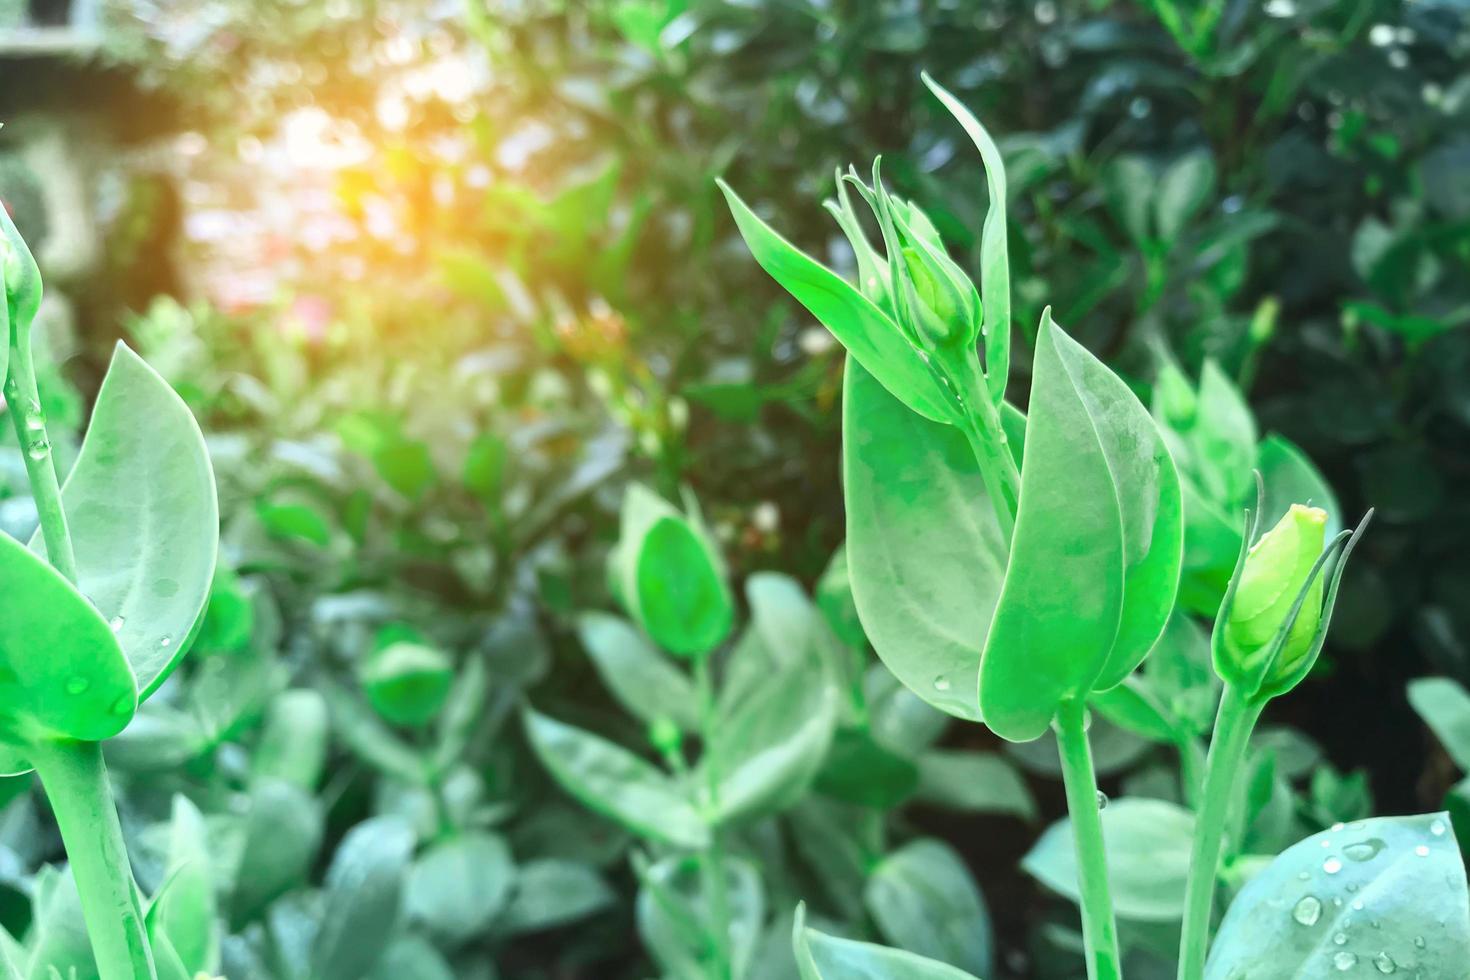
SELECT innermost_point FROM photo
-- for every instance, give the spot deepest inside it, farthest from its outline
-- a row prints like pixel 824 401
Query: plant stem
pixel 712 859
pixel 1227 751
pixel 24 402
pixel 987 439
pixel 75 779
pixel 1099 930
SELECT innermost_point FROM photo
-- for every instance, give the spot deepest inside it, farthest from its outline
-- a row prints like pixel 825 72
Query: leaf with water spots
pixel 144 518
pixel 62 674
pixel 1385 896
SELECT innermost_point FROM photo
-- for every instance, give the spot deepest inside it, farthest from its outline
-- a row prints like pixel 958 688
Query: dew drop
pixel 124 705
pixel 1337 827
pixel 1344 960
pixel 1332 866
pixel 1437 828
pixel 1340 939
pixel 1358 905
pixel 1419 942
pixel 165 641
pixel 77 685
pixel 116 624
pixel 1422 851
pixel 1304 875
pixel 38 451
pixel 1102 800
pixel 1384 963
pixel 1307 911
pixel 941 683
pixel 1326 843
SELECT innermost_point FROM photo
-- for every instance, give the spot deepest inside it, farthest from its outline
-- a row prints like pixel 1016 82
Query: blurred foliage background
pixel 438 277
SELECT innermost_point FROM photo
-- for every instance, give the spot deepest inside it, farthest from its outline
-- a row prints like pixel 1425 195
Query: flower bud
pixel 18 271
pixel 1276 570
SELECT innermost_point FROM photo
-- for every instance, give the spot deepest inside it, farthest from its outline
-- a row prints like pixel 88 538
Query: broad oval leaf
pixel 823 957
pixel 1444 705
pixel 868 333
pixel 616 783
pixel 1148 845
pixel 923 899
pixel 551 892
pixel 144 517
pixel 639 676
pixel 1062 602
pixel 458 886
pixel 926 556
pixel 1380 896
pixel 62 674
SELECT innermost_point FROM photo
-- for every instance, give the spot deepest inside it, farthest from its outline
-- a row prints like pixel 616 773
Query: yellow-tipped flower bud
pixel 1275 571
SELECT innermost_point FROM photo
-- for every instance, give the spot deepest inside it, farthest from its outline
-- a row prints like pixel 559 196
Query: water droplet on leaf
pixel 1307 911
pixel 1332 866
pixel 77 685
pixel 1344 960
pixel 1384 963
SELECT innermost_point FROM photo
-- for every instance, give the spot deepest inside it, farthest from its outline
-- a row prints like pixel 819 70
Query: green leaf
pixel 282 831
pixel 1224 438
pixel 1148 844
pixel 62 673
pixel 782 614
pixel 1134 705
pixel 834 599
pixel 411 958
pixel 362 898
pixel 293 739
pixel 616 783
pixel 640 677
pixel 186 910
pixel 549 893
pixel 823 957
pixel 925 554
pixel 868 333
pixel 1186 185
pixel 1382 896
pixel 1096 550
pixel 974 782
pixel 458 886
pixel 861 770
pixel 769 750
pixel 923 899
pixel 144 518
pixel 676 924
pixel 58 939
pixel 1444 706
pixel 405 465
pixel 995 266
pixel 671 577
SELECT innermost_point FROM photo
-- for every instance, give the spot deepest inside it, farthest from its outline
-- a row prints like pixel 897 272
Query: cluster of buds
pixel 927 294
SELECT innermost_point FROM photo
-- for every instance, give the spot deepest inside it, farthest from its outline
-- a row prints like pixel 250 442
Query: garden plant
pixel 96 614
pixel 1009 570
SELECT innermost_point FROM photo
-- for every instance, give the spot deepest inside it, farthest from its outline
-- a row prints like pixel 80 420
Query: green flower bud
pixel 1277 568
pixel 664 736
pixel 407 683
pixel 18 269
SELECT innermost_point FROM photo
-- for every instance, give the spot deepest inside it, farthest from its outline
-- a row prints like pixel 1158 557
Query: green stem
pixel 1099 930
pixel 24 402
pixel 75 779
pixel 1227 752
pixel 982 427
pixel 712 859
